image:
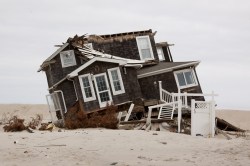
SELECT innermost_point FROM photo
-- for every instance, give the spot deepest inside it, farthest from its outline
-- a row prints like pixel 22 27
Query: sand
pixel 117 147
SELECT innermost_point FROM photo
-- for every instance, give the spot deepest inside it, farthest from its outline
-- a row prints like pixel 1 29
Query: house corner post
pixel 160 89
pixel 179 111
pixel 192 117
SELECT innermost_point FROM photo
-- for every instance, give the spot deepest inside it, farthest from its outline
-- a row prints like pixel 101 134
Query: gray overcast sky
pixel 216 32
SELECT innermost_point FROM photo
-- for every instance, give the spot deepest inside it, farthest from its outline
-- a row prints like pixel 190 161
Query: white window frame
pixel 70 52
pixel 86 99
pixel 159 49
pixel 150 47
pixel 112 81
pixel 103 104
pixel 187 85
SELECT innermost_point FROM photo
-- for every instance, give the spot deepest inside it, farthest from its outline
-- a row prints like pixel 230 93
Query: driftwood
pixel 223 133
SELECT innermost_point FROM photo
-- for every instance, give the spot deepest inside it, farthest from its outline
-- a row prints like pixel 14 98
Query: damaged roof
pixel 47 61
pixel 163 67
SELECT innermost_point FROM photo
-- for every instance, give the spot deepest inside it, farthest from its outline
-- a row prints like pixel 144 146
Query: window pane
pixel 189 77
pixel 144 47
pixel 116 80
pixel 87 88
pixel 114 75
pixel 143 43
pixel 160 53
pixel 88 92
pixel 101 84
pixel 117 85
pixel 145 53
pixel 104 96
pixel 181 79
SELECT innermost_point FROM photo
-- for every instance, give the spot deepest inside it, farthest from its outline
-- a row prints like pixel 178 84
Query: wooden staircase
pixel 166 112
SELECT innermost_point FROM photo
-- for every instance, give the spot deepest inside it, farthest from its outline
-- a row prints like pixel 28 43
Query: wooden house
pixel 116 68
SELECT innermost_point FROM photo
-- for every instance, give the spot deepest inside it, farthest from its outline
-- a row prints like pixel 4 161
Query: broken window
pixel 185 78
pixel 144 47
pixel 116 81
pixel 68 58
pixel 87 87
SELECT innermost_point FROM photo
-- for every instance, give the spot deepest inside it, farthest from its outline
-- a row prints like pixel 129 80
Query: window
pixel 68 58
pixel 116 81
pixel 144 47
pixel 185 78
pixel 87 87
pixel 160 53
pixel 102 89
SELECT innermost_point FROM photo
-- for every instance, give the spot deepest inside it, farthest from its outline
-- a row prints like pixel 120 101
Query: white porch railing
pixel 178 100
pixel 172 104
pixel 168 97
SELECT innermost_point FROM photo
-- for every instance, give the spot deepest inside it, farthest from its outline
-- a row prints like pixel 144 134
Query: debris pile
pixel 75 118
pixel 16 124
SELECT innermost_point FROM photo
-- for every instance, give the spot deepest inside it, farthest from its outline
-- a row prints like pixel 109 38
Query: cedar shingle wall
pixel 131 85
pixel 150 86
pixel 127 48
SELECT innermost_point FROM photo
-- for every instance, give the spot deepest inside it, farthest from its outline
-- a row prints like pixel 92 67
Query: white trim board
pixel 167 70
pixel 112 81
pixel 86 99
pixel 75 72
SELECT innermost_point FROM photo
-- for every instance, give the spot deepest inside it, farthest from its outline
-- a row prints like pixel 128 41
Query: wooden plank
pixel 129 112
pixel 223 133
pixel 144 121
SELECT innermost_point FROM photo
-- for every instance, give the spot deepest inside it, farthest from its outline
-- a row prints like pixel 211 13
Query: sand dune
pixel 118 147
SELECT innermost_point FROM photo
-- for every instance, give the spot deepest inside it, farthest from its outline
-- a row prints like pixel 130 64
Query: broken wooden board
pixel 226 126
pixel 223 133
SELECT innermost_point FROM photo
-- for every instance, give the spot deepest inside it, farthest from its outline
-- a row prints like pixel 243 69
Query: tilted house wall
pixel 166 73
pixel 123 45
pixel 138 83
pixel 129 79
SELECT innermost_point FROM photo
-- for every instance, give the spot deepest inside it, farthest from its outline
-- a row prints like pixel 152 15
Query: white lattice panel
pixel 202 105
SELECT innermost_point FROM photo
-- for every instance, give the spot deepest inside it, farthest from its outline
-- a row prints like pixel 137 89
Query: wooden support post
pixel 160 90
pixel 149 116
pixel 179 111
pixel 212 114
pixel 192 117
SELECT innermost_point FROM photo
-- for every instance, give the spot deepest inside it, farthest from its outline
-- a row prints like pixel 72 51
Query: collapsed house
pixel 96 70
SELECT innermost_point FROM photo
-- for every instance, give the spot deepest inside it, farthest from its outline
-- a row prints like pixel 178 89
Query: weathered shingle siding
pixel 126 48
pixel 150 86
pixel 55 72
pixel 131 85
pixel 67 87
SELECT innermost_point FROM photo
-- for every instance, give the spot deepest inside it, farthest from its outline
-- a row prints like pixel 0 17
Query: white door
pixel 202 118
pixel 102 89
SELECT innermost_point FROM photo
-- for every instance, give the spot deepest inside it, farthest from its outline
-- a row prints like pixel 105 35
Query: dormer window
pixel 68 58
pixel 144 47
pixel 160 53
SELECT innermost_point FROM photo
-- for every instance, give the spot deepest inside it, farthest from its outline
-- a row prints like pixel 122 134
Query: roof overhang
pixel 75 72
pixel 49 59
pixel 160 71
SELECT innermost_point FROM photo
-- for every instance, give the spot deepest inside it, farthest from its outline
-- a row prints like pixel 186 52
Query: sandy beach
pixel 119 147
